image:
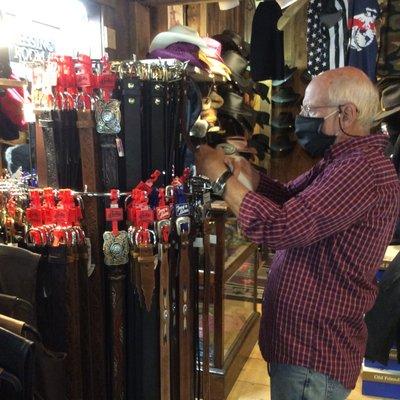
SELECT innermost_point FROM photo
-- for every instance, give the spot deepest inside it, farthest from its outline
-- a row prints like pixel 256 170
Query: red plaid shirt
pixel 330 228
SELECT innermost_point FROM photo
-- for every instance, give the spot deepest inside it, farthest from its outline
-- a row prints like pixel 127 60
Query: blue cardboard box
pixel 381 382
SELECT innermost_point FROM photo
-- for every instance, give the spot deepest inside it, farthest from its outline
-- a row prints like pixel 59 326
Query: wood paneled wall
pixel 136 24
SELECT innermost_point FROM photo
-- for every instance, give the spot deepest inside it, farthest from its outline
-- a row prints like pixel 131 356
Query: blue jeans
pixel 290 382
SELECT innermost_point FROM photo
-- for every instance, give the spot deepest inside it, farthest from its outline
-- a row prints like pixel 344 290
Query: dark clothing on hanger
pixel 363 46
pixel 383 321
pixel 266 52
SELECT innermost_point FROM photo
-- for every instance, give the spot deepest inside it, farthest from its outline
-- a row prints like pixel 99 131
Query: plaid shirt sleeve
pixel 331 202
pixel 279 192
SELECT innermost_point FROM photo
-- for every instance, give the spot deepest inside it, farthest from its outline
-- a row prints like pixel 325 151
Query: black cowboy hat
pixel 390 101
pixel 238 64
pixel 288 73
pixel 281 145
pixel 285 120
pixel 231 40
pixel 235 107
pixel 285 95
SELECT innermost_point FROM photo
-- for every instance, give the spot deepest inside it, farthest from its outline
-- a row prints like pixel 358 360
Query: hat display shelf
pixel 285 104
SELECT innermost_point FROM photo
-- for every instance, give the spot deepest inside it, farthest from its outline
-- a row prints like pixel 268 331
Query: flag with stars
pixel 327 38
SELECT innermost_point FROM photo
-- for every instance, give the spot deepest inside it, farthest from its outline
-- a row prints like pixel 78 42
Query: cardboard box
pixel 381 382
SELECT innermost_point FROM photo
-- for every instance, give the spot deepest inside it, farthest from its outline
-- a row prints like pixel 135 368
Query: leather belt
pixel 108 118
pixel 206 309
pixel 132 92
pixel 88 140
pixel 46 123
pixel 40 152
pixel 165 309
pixel 116 257
pixel 116 283
pixel 158 133
pixel 146 262
pixel 185 320
pixel 87 362
pixel 61 330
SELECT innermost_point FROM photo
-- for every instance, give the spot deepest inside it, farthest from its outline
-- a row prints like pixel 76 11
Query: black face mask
pixel 310 136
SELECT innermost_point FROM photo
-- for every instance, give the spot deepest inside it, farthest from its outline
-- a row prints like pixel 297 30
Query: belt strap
pixel 165 344
pixel 40 152
pixel 206 309
pixel 132 91
pixel 50 148
pixel 185 321
pixel 108 125
pixel 109 161
pixel 88 146
pixel 116 282
pixel 116 257
pixel 158 133
pixel 146 261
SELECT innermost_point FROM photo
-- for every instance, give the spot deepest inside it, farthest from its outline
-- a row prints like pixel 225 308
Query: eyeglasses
pixel 306 110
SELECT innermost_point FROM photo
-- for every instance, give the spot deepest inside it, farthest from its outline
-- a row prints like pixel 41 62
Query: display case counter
pixel 234 318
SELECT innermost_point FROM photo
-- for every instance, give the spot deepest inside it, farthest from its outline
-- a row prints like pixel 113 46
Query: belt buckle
pixel 160 225
pixel 145 236
pixel 181 222
pixel 115 248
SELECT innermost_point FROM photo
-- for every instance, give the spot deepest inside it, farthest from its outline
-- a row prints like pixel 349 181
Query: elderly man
pixel 329 227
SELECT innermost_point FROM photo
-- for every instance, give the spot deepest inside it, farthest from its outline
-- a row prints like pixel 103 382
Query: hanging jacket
pixel 383 320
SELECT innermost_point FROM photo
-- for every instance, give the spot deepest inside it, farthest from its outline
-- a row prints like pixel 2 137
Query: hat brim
pixel 281 126
pixel 384 114
pixel 286 100
pixel 280 82
pixel 165 39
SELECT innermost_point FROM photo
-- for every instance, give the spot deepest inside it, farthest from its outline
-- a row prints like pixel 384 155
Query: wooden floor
pixel 253 382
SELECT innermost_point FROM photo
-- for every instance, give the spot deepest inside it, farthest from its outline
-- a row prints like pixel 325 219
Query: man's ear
pixel 348 113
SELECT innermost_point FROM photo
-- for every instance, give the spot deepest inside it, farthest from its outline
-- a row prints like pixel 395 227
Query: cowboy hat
pixel 185 52
pixel 228 4
pixel 390 101
pixel 178 33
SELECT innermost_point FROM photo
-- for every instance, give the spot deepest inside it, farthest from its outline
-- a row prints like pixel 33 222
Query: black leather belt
pixel 158 133
pixel 108 126
pixel 46 123
pixel 132 95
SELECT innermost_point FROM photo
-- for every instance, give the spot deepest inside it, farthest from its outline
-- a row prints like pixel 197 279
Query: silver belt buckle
pixel 116 248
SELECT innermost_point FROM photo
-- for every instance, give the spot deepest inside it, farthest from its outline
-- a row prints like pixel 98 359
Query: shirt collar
pixel 374 140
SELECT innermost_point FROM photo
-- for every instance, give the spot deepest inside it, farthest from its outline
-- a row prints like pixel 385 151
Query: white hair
pixel 359 90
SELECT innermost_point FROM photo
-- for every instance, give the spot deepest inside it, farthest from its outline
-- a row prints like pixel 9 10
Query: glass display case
pixel 234 319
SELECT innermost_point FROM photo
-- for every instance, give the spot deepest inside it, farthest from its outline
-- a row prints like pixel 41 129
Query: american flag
pixel 326 46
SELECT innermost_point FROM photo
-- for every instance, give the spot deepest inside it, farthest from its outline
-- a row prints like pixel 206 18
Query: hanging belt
pixel 62 333
pixel 40 153
pixel 60 140
pixel 158 143
pixel 50 149
pixel 132 92
pixel 116 257
pixel 206 309
pixel 146 261
pixel 88 140
pixel 164 301
pixel 108 118
pixel 185 313
pixel 87 361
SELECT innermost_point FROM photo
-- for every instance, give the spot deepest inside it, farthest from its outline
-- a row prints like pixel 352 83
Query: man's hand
pixel 210 162
pixel 244 172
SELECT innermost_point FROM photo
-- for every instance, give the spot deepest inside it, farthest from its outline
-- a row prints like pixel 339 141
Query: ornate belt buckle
pixel 116 248
pixel 108 117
